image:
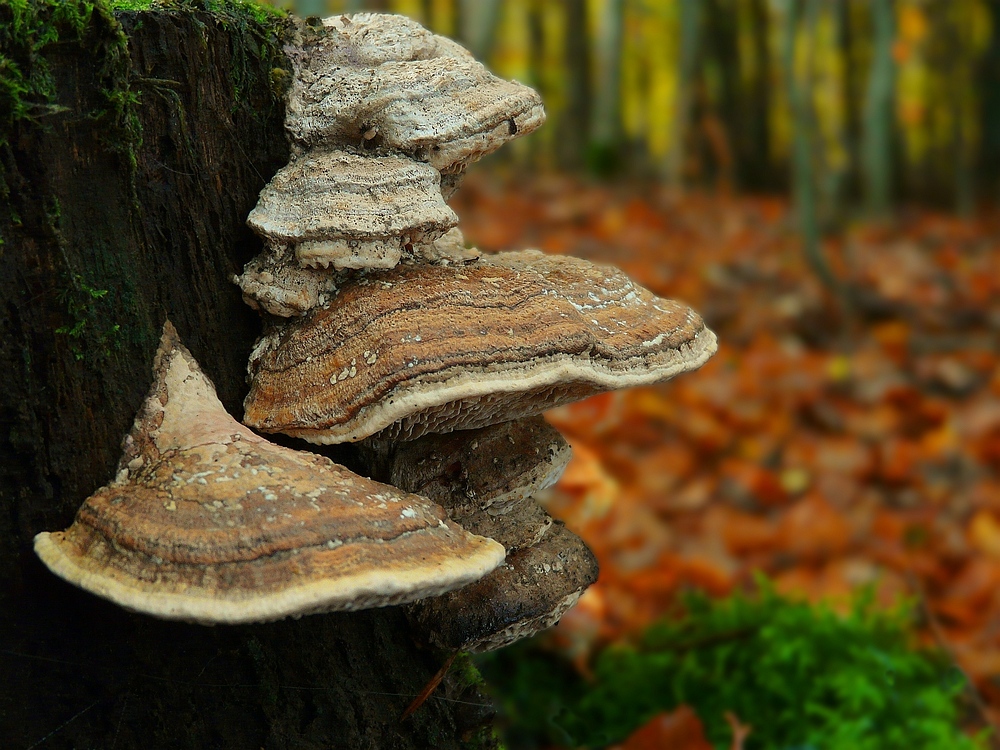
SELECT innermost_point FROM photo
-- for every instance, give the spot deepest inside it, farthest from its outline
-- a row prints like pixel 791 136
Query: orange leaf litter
pixel 827 451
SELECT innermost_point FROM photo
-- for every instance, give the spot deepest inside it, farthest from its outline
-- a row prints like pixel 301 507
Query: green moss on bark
pixel 32 30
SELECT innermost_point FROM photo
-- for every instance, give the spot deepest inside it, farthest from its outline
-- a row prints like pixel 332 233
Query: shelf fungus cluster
pixel 384 117
pixel 382 329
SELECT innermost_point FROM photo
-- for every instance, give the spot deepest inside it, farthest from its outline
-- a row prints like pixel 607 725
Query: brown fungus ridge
pixel 350 211
pixel 485 480
pixel 475 473
pixel 384 81
pixel 423 349
pixel 210 523
pixel 276 283
pixel 528 593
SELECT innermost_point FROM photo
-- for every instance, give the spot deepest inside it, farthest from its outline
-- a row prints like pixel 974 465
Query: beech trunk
pixel 114 220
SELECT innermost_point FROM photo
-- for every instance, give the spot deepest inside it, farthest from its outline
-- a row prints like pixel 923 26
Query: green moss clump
pixel 82 301
pixel 27 27
pixel 258 12
pixel 801 676
pixel 29 31
pixel 258 27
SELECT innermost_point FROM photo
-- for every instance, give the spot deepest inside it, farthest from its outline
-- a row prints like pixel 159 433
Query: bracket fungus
pixel 486 479
pixel 437 358
pixel 419 349
pixel 384 116
pixel 486 472
pixel 350 211
pixel 386 82
pixel 275 282
pixel 527 593
pixel 210 523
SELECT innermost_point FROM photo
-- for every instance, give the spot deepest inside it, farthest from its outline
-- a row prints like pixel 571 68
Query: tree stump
pixel 124 197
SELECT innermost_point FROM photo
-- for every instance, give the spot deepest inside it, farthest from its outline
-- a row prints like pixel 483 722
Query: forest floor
pixel 830 444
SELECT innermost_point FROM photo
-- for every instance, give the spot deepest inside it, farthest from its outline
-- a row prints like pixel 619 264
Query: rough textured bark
pixel 102 240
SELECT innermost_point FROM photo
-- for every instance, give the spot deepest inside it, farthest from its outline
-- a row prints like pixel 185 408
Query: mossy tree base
pixel 126 204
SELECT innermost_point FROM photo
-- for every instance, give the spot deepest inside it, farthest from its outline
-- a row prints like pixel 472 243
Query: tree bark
pixel 103 237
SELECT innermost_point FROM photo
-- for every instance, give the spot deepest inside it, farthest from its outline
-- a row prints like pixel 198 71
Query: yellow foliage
pixel 937 48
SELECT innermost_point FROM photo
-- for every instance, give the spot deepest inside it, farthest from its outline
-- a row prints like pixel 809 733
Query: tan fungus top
pixel 210 523
pixel 386 82
pixel 351 211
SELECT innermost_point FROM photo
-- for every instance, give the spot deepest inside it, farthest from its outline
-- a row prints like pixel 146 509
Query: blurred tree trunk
pixel 876 135
pixel 605 114
pixel 988 86
pixel 851 97
pixel 687 68
pixel 477 27
pixel 755 125
pixel 805 13
pixel 540 151
pixel 574 122
pixel 958 28
pixel 104 235
pixel 721 52
pixel 306 8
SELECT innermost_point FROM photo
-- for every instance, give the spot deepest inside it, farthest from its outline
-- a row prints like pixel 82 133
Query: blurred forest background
pixel 821 180
pixel 868 101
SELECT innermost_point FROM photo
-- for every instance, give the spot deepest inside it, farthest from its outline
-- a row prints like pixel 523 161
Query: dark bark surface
pixel 96 254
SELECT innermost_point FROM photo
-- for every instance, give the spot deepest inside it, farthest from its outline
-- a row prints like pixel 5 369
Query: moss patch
pixel 802 676
pixel 258 28
pixel 30 32
pixel 256 11
pixel 31 29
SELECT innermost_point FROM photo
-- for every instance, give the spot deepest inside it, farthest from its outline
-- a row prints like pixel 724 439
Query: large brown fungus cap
pixel 351 211
pixel 385 81
pixel 210 523
pixel 421 349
